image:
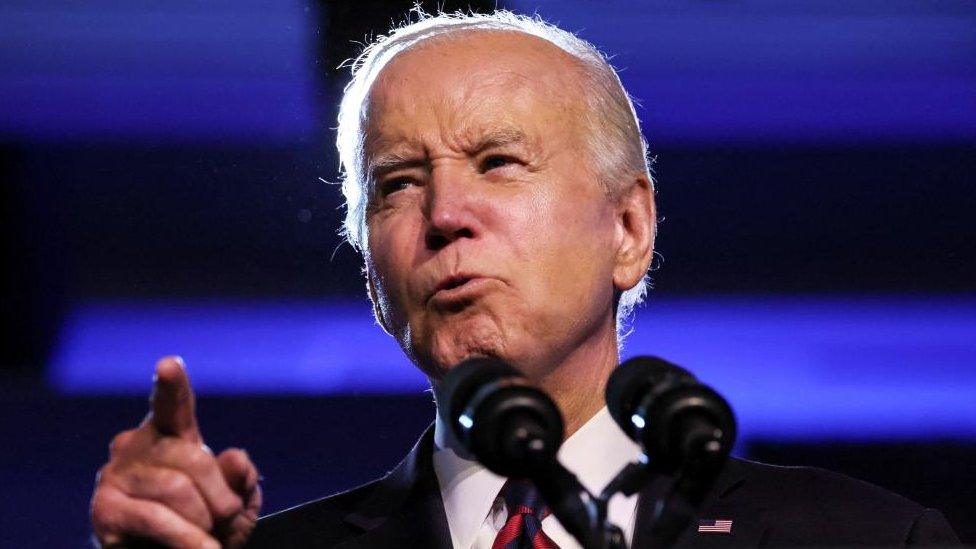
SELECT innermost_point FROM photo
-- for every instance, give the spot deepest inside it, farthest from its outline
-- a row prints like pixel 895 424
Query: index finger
pixel 173 408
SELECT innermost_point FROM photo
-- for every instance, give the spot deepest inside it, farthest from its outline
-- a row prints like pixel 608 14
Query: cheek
pixel 389 260
pixel 578 233
pixel 566 246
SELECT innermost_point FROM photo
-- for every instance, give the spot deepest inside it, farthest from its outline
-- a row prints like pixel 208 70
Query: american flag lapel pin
pixel 714 526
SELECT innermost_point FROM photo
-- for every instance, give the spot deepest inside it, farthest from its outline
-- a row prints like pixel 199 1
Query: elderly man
pixel 498 189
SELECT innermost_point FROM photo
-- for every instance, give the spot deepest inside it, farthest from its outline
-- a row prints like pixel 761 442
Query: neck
pixel 577 385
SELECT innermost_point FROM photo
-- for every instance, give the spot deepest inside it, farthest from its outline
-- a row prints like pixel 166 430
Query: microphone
pixel 676 419
pixel 512 428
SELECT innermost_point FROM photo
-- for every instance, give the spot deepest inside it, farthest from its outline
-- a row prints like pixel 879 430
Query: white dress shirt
pixel 475 512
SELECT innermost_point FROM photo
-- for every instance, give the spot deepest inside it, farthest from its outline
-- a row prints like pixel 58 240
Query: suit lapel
pixel 748 527
pixel 405 509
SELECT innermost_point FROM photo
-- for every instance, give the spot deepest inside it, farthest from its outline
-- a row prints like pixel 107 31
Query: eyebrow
pixel 388 162
pixel 384 163
pixel 498 137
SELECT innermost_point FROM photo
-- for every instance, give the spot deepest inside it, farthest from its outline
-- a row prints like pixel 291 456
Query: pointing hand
pixel 162 483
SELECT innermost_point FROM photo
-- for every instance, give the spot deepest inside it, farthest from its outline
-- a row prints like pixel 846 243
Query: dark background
pixel 135 215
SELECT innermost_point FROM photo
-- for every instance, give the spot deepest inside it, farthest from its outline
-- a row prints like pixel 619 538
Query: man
pixel 498 188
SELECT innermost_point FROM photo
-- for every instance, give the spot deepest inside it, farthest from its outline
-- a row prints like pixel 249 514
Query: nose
pixel 450 215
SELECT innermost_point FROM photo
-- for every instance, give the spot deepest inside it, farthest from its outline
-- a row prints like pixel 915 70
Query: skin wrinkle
pixel 556 82
pixel 404 152
pixel 391 160
pixel 613 138
pixel 542 228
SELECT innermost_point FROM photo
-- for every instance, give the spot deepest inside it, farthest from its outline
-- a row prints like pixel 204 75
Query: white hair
pixel 616 144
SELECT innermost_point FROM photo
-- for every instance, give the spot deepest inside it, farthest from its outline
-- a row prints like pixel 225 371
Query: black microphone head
pixel 512 427
pixel 633 379
pixel 677 420
pixel 462 381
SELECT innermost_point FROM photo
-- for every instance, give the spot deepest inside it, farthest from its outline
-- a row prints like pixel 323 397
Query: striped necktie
pixel 523 529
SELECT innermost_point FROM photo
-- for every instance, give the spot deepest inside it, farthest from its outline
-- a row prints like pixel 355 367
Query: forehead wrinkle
pixel 472 141
pixel 481 117
pixel 462 108
pixel 471 132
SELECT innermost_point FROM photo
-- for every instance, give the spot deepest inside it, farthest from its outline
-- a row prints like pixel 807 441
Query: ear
pixel 636 227
pixel 375 300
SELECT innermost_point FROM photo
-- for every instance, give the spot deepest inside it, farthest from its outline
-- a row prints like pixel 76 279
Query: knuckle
pixel 115 475
pixel 174 483
pixel 228 506
pixel 197 458
pixel 120 441
pixel 183 455
pixel 104 515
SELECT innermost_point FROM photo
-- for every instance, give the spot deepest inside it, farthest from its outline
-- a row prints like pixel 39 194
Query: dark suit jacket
pixel 769 506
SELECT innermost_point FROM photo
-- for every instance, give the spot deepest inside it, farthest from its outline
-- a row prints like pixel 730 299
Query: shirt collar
pixel 595 453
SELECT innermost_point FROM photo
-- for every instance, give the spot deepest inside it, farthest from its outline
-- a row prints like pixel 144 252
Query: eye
pixel 496 161
pixel 395 184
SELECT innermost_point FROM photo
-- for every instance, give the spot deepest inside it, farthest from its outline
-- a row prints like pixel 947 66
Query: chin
pixel 448 346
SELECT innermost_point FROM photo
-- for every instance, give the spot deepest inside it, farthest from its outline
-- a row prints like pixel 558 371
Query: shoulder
pixel 403 504
pixel 800 504
pixel 323 520
pixel 817 488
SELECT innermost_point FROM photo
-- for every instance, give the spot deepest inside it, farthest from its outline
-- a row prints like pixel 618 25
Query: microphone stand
pixel 582 514
pixel 695 476
pixel 571 503
pixel 585 516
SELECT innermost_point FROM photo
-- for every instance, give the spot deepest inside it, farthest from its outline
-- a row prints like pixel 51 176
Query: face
pixel 487 230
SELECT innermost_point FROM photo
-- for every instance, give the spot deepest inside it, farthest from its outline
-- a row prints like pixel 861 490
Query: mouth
pixel 452 282
pixel 457 287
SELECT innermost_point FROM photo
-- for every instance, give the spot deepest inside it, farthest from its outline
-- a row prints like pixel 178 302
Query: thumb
pixel 172 404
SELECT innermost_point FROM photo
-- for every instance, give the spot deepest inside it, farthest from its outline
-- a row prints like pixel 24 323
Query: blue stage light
pixel 793 368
